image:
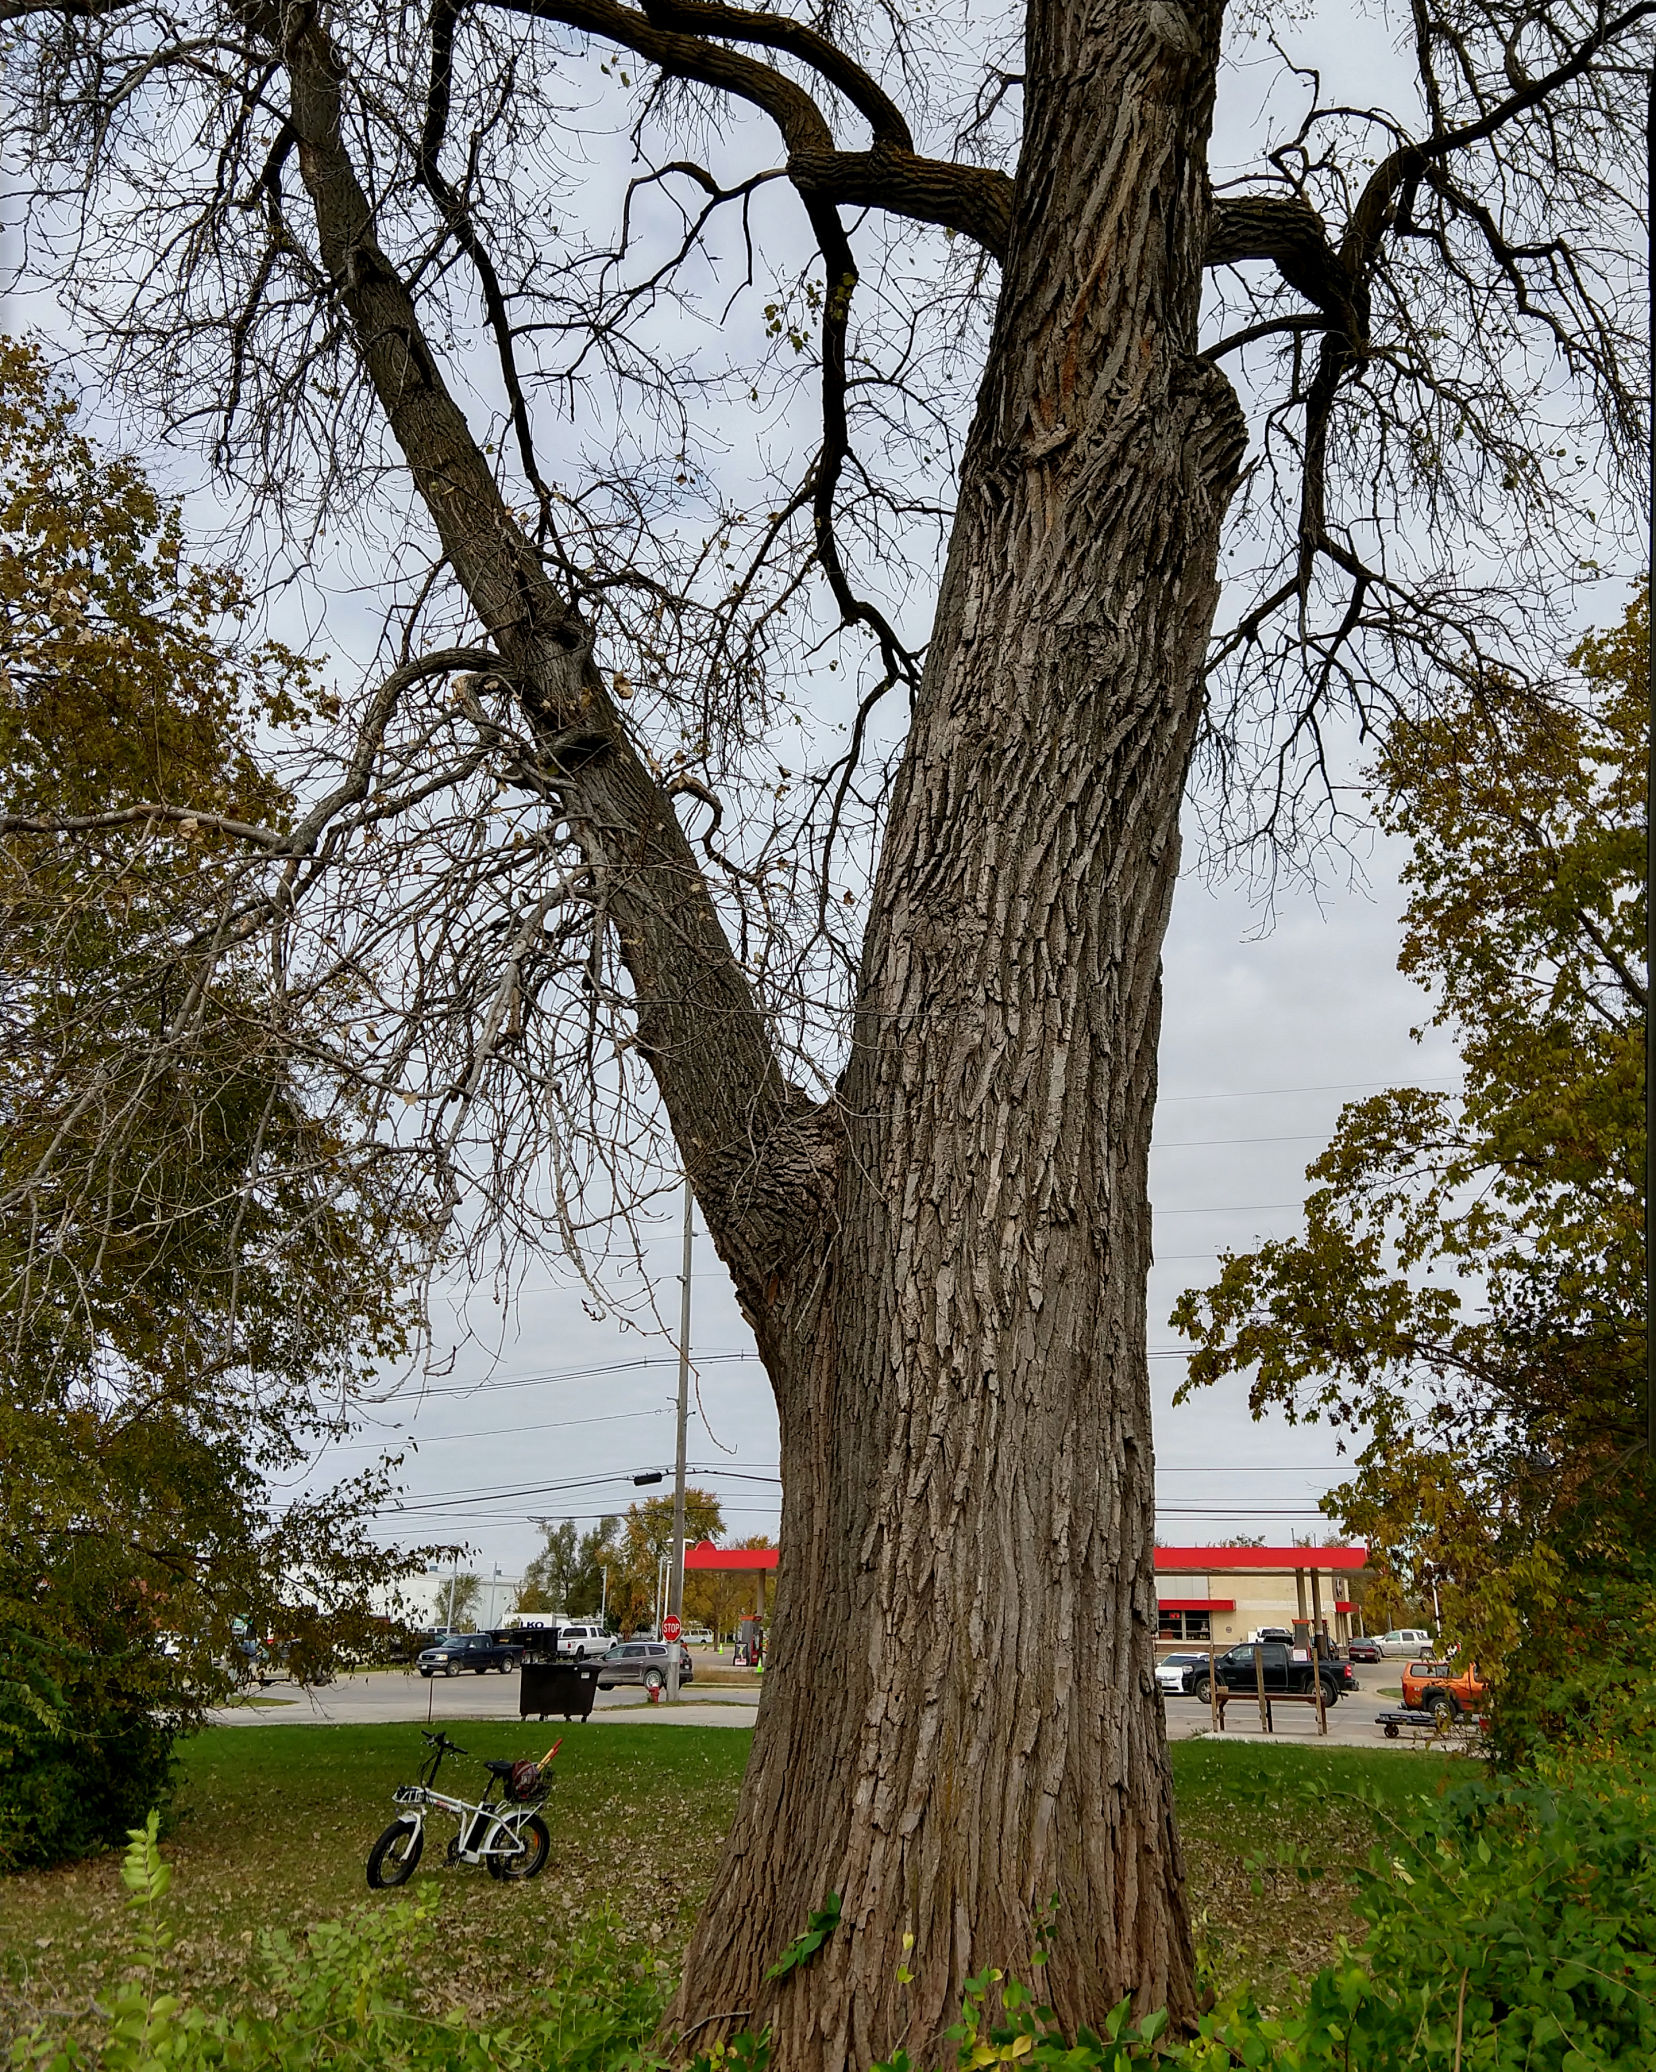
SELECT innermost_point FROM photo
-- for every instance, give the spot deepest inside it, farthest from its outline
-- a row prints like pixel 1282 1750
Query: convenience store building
pixel 1224 1594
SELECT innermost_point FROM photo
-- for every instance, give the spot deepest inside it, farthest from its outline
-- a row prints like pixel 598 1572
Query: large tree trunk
pixel 960 1723
pixel 946 1267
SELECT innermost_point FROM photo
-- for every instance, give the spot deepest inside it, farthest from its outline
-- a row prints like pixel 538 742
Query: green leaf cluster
pixel 1466 1298
pixel 567 1574
pixel 820 1923
pixel 200 1257
pixel 1512 1928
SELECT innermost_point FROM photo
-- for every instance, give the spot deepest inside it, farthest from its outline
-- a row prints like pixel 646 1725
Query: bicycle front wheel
pixel 393 1857
pixel 531 1859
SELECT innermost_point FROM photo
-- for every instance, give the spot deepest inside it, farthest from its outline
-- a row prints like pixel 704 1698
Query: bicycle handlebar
pixel 441 1740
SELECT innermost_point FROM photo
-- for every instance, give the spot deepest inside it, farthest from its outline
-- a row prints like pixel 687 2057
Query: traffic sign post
pixel 671 1626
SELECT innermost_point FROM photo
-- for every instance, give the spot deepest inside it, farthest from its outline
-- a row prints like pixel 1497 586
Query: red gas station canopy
pixel 707 1559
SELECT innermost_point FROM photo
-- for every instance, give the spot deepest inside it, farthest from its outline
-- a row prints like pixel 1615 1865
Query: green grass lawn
pixel 273 1824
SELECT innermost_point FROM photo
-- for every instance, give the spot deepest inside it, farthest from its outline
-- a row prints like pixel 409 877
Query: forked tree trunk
pixel 946 1267
pixel 960 1724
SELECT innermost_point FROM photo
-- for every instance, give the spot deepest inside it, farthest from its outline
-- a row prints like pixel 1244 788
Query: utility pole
pixel 675 1581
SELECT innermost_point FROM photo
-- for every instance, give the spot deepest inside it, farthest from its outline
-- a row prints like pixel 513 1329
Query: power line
pixel 524 1381
pixel 1262 1468
pixel 1206 1143
pixel 440 1498
pixel 1237 1510
pixel 567 1424
pixel 1348 1086
pixel 445 1499
pixel 461 1520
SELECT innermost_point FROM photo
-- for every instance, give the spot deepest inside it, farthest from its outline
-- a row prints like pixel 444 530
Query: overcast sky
pixel 1269 1025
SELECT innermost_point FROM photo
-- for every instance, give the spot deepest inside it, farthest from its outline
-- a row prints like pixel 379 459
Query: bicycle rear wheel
pixel 393 1857
pixel 531 1861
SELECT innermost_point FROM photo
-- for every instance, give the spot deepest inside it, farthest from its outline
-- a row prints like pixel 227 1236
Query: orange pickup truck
pixel 1443 1690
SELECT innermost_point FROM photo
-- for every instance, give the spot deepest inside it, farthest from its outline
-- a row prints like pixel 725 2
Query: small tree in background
pixel 545 1585
pixel 1468 1293
pixel 567 1574
pixel 646 1536
pixel 195 1271
pixel 460 1600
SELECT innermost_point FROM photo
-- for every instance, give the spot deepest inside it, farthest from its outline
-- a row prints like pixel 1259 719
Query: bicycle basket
pixel 525 1783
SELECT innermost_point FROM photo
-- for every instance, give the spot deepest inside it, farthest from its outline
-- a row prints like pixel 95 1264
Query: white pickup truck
pixel 585 1642
pixel 582 1640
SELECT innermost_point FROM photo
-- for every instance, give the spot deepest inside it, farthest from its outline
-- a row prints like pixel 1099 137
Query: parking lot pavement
pixel 387 1695
pixel 384 1696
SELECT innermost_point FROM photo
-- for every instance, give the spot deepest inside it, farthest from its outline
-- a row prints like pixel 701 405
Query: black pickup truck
pixel 478 1651
pixel 1288 1672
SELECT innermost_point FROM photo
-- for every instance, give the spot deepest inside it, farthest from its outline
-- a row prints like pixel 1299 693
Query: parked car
pixel 1365 1648
pixel 424 1637
pixel 1287 1672
pixel 643 1662
pixel 477 1651
pixel 1442 1690
pixel 1405 1640
pixel 1173 1673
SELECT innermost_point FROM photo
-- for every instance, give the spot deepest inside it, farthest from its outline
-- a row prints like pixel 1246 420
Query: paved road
pixel 384 1696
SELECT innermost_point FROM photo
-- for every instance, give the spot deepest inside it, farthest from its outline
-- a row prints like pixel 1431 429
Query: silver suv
pixel 643 1662
pixel 1405 1640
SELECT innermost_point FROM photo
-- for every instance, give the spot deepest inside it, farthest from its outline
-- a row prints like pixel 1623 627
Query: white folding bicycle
pixel 506 1832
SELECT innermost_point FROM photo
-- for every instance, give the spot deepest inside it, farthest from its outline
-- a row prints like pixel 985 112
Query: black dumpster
pixel 547 1685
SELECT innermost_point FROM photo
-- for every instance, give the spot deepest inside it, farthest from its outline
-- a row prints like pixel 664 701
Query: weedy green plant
pixel 819 1925
pixel 347 1993
pixel 1512 1928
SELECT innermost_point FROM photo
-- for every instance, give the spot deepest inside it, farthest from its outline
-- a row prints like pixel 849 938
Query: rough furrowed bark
pixel 960 1728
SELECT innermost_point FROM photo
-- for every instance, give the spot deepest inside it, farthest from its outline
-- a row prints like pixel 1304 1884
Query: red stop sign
pixel 671 1626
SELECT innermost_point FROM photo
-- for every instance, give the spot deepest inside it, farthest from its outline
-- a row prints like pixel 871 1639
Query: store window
pixel 1183 1625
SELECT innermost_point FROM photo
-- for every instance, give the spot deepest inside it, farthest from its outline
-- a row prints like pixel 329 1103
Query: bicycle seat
pixel 499 1769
